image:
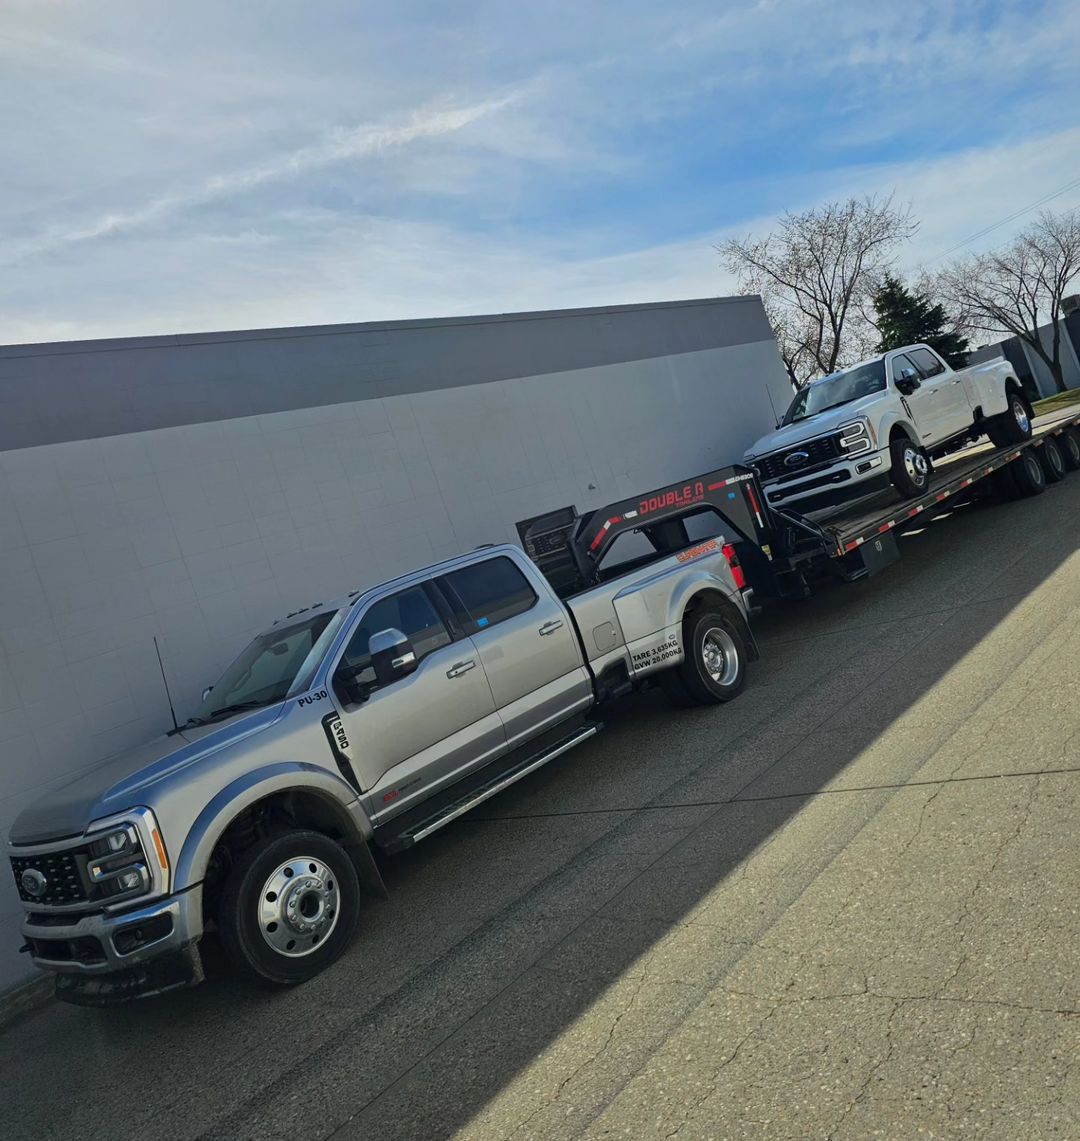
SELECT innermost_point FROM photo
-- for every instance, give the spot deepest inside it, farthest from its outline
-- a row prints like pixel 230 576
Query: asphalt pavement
pixel 844 906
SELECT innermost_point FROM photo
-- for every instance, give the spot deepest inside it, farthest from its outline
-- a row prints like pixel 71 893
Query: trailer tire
pixel 1028 474
pixel 1070 448
pixel 1013 426
pixel 910 468
pixel 714 669
pixel 289 907
pixel 1053 462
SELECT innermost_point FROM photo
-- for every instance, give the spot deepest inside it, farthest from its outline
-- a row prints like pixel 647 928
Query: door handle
pixel 551 627
pixel 459 668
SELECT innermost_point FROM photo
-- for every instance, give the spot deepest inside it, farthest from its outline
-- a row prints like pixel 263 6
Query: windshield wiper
pixel 226 711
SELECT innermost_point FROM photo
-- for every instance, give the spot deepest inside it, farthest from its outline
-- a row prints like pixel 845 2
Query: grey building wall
pixel 1030 368
pixel 195 488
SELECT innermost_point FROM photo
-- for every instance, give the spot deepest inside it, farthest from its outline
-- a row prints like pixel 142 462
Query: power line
pixel 1005 221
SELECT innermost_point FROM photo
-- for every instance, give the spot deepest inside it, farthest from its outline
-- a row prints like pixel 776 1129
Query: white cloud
pixel 356 142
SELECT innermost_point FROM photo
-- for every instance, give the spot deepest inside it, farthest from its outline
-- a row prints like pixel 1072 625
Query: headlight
pixel 126 857
pixel 856 438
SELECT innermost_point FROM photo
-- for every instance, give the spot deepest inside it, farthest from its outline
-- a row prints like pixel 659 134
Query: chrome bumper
pixel 56 947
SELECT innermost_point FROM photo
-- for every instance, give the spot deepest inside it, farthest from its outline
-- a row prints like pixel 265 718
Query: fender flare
pixel 891 421
pixel 283 776
pixel 708 583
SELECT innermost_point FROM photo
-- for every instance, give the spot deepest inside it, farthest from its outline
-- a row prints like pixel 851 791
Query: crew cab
pixel 884 420
pixel 367 722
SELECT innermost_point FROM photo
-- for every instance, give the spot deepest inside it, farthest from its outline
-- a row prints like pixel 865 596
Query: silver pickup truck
pixel 367 722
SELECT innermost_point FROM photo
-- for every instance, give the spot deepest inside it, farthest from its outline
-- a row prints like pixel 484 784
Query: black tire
pixel 1028 474
pixel 1069 440
pixel 714 669
pixel 1053 462
pixel 329 913
pixel 1013 426
pixel 910 467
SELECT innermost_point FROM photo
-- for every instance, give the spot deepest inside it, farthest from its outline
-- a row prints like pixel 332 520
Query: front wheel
pixel 289 907
pixel 714 669
pixel 1013 426
pixel 910 467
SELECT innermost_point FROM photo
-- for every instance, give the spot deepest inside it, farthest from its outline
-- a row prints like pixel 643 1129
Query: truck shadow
pixel 504 929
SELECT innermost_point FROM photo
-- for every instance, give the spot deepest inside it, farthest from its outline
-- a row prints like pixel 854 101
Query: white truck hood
pixel 812 426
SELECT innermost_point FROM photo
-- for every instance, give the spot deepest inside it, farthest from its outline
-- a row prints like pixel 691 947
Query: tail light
pixel 736 568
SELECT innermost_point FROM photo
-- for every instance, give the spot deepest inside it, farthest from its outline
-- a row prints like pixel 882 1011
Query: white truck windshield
pixel 839 388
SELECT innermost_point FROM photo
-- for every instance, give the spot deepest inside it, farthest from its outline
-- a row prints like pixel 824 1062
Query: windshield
pixel 271 666
pixel 840 388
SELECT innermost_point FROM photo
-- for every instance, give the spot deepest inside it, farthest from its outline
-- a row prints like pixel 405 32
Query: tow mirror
pixel 392 655
pixel 907 381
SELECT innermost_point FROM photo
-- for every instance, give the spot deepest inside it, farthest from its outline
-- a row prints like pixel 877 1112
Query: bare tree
pixel 815 273
pixel 1020 287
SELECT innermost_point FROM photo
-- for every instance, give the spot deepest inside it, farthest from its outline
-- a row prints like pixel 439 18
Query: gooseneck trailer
pixel 777 551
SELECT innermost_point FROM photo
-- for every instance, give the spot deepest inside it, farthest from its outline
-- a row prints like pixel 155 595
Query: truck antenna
pixel 165 681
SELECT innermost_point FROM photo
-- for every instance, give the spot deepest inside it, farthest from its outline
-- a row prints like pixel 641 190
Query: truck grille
pixel 63 879
pixel 819 452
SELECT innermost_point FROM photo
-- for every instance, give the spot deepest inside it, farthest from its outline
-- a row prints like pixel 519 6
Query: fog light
pixel 129 880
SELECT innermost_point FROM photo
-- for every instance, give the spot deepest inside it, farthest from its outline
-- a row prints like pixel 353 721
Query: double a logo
pixel 796 459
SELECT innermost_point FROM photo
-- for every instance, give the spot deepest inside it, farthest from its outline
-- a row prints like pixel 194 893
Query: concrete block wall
pixel 202 533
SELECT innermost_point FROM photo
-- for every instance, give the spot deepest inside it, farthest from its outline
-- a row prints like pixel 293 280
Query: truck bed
pixel 849 525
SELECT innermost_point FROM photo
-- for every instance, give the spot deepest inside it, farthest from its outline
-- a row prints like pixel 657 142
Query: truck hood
pixel 819 425
pixel 125 779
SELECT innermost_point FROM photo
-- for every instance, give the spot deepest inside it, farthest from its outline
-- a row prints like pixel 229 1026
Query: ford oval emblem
pixel 34 883
pixel 796 458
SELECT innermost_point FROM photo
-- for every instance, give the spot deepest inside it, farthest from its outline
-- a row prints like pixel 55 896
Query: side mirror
pixel 206 692
pixel 907 381
pixel 392 655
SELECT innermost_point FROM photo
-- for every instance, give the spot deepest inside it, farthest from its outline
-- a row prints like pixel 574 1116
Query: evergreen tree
pixel 907 318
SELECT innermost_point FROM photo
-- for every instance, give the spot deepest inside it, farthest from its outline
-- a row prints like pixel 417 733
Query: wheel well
pixel 287 808
pixel 718 600
pixel 899 432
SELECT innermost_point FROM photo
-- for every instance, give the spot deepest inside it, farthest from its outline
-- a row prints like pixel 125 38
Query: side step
pixel 401 833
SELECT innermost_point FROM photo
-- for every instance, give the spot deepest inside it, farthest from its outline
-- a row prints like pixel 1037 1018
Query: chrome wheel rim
pixel 1020 412
pixel 299 906
pixel 915 465
pixel 720 655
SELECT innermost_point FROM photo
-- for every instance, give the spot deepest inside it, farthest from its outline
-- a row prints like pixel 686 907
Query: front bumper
pixel 112 956
pixel 840 480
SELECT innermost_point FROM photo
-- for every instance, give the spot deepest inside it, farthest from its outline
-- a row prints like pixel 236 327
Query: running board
pixel 416 831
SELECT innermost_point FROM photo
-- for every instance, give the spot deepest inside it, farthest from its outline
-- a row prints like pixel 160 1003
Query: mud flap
pixel 367 869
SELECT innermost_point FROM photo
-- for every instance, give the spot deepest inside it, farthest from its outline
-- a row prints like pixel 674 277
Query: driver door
pixel 417 732
pixel 923 405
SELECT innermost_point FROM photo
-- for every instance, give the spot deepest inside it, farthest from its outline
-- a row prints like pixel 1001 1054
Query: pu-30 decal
pixel 311 698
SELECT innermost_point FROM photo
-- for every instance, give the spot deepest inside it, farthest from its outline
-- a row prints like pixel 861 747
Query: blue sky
pixel 180 167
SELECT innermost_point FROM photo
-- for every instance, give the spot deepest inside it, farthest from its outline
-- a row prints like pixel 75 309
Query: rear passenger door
pixel 525 642
pixel 954 413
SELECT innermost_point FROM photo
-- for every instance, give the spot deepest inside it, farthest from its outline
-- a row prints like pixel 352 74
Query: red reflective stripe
pixel 914 511
pixel 885 526
pixel 852 545
pixel 717 486
pixel 941 495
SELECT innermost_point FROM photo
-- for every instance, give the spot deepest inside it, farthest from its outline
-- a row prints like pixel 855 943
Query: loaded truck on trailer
pixel 371 722
pixel 884 421
pixel 368 722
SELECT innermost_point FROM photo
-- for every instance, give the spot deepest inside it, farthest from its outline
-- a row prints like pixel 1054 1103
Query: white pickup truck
pixel 854 431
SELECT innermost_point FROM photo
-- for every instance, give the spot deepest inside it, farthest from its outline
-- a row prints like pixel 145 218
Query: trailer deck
pixel 852 524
